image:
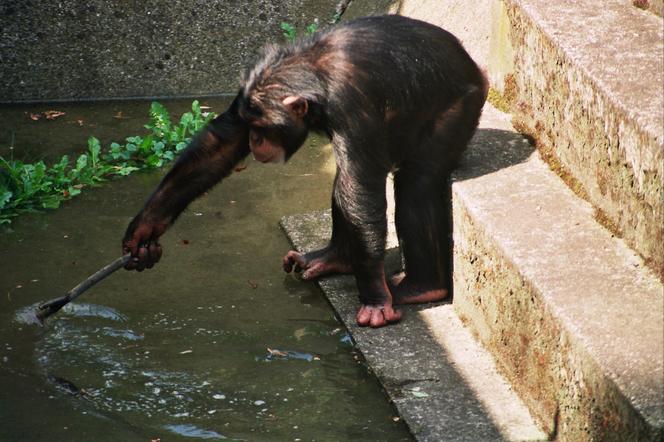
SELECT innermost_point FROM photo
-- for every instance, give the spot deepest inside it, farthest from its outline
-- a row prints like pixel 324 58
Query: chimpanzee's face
pixel 264 148
pixel 277 130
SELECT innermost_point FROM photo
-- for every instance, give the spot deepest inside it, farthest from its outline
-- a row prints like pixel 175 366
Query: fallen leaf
pixel 300 333
pixel 53 114
pixel 419 394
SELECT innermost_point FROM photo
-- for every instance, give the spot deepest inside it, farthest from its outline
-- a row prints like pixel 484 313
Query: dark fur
pixel 392 93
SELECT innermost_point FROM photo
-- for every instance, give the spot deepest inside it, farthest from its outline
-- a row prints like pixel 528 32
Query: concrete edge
pixel 443 384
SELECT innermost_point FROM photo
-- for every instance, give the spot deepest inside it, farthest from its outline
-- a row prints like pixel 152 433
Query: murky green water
pixel 215 342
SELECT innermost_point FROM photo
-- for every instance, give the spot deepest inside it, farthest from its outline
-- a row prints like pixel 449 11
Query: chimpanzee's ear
pixel 297 106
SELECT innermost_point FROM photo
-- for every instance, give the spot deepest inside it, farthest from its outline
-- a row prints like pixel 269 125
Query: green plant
pixel 28 187
pixel 290 33
pixel 311 28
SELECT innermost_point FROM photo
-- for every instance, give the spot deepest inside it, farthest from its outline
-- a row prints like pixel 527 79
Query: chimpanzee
pixel 394 95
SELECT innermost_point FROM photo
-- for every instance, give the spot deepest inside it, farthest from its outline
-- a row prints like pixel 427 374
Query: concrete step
pixel 572 316
pixel 585 80
pixel 443 384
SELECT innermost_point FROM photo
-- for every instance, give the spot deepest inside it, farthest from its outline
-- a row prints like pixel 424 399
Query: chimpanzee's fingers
pixel 142 258
pixel 156 252
pixel 153 254
pixel 293 261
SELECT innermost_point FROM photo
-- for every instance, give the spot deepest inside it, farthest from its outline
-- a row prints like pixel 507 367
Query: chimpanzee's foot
pixel 403 292
pixel 377 315
pixel 315 264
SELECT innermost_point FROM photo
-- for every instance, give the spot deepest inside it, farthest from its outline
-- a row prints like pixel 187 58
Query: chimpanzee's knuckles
pixel 292 262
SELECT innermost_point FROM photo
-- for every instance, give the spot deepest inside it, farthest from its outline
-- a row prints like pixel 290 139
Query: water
pixel 215 342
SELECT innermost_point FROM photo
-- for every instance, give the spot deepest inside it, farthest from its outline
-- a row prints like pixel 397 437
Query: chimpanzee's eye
pixel 255 137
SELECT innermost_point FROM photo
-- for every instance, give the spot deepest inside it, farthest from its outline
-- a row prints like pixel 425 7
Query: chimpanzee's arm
pixel 210 156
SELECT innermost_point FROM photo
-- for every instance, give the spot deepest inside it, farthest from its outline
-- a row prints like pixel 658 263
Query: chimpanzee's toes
pixel 377 316
pixel 315 270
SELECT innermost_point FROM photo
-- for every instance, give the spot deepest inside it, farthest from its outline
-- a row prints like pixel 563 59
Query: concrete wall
pixel 133 48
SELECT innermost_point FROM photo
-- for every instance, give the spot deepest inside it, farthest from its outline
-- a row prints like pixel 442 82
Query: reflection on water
pixel 193 431
pixel 215 342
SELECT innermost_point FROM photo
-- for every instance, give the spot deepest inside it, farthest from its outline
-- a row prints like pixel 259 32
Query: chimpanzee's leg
pixel 329 260
pixel 422 193
pixel 421 219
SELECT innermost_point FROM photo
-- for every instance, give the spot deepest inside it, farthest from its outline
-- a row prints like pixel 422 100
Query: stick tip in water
pixel 30 315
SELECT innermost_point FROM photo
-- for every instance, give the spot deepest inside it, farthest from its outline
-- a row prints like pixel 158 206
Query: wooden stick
pixel 54 305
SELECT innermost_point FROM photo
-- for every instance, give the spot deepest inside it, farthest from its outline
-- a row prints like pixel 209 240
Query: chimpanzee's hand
pixel 141 240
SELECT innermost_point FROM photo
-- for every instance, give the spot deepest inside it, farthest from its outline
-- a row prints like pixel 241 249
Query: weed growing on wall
pixel 290 33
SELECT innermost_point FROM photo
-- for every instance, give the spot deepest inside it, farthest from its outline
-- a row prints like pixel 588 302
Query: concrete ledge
pixel 444 385
pixel 570 313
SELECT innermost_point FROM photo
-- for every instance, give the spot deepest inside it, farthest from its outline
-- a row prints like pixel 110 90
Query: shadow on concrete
pixel 492 150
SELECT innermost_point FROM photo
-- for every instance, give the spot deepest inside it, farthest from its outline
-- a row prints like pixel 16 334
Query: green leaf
pixel 94 148
pixel 289 31
pixel 311 29
pixel 153 161
pixel 51 202
pixel 126 170
pixel 5 196
pixel 196 108
pixel 73 191
pixel 81 162
pixel 146 145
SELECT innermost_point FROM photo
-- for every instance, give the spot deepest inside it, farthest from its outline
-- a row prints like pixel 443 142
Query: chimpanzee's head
pixel 277 98
pixel 277 126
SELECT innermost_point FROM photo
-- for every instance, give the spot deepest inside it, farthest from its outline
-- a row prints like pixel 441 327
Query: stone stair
pixel 559 252
pixel 558 246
